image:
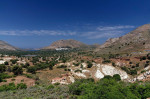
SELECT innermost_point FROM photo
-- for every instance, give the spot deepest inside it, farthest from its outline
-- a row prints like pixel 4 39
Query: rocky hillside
pixel 66 44
pixel 6 46
pixel 136 40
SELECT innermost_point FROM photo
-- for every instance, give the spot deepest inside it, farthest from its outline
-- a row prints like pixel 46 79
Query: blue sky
pixel 37 23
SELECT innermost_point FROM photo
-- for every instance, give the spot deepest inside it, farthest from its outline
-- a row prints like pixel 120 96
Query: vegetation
pixel 106 88
pixel 109 88
pixel 89 64
pixel 2 68
pixel 106 61
pixel 17 70
pixel 62 66
pixel 12 86
pixel 31 69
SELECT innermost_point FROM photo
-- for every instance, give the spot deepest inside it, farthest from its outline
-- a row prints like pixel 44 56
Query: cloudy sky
pixel 37 23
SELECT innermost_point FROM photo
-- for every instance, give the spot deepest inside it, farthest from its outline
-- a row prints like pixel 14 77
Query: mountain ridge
pixel 137 39
pixel 5 46
pixel 69 43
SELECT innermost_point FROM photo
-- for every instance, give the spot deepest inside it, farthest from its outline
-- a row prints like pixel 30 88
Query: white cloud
pixel 36 32
pixel 107 31
pixel 102 28
pixel 90 32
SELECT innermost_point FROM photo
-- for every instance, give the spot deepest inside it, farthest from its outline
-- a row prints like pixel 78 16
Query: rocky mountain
pixel 136 40
pixel 66 44
pixel 6 46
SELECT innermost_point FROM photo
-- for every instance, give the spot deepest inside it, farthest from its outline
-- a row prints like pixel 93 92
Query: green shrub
pixel 12 86
pixel 89 64
pixel 78 71
pixel 117 77
pixel 106 61
pixel 6 63
pixel 50 86
pixel 113 64
pixel 14 61
pixel 62 66
pixel 21 86
pixel 31 69
pixel 17 70
pixel 2 68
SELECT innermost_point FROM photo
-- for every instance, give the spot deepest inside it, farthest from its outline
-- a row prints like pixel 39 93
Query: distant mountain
pixel 136 40
pixel 6 46
pixel 66 44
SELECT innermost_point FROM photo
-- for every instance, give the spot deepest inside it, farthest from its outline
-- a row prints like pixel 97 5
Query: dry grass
pixel 47 75
pixel 19 79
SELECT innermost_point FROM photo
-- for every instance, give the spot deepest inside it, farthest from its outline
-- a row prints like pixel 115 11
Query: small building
pixel 59 49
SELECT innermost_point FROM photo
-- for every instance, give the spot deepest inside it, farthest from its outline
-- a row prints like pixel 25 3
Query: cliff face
pixel 6 46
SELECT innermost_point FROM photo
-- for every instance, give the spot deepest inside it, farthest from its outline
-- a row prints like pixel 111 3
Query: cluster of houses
pixel 59 49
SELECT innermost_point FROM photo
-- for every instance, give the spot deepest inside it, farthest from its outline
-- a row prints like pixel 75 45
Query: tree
pixel 31 69
pixel 117 77
pixel 14 61
pixel 2 68
pixel 6 63
pixel 21 86
pixel 26 65
pixel 89 64
pixel 50 67
pixel 17 70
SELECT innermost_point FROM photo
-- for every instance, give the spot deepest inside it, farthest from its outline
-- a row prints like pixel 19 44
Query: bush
pixel 143 58
pixel 76 64
pixel 50 67
pixel 113 64
pixel 89 64
pixel 21 86
pixel 133 72
pixel 2 68
pixel 117 77
pixel 17 70
pixel 12 86
pixel 6 63
pixel 14 61
pixel 146 65
pixel 62 66
pixel 78 71
pixel 31 69
pixel 50 87
pixel 26 65
pixel 106 61
pixel 109 88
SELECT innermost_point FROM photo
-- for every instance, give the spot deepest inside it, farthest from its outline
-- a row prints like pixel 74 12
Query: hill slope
pixel 135 40
pixel 66 44
pixel 6 46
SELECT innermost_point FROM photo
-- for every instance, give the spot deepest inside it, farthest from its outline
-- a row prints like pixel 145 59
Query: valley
pixel 66 63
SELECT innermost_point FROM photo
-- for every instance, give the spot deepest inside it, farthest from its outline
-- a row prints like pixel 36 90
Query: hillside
pixel 66 44
pixel 6 46
pixel 135 40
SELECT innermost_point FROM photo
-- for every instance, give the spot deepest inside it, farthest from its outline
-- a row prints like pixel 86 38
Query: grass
pixel 38 92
